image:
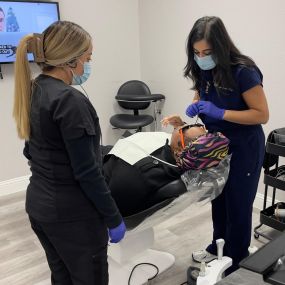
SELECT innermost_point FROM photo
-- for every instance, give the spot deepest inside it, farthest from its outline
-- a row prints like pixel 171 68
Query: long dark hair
pixel 224 52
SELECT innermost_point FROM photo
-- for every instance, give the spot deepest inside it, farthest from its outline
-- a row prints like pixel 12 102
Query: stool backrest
pixel 135 88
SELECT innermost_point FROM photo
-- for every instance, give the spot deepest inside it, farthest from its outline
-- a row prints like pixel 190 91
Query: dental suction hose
pixel 220 247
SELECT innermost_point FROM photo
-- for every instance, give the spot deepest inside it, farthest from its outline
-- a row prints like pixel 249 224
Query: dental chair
pixel 135 248
pixel 132 261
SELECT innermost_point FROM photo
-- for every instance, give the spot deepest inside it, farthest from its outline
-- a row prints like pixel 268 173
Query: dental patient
pixel 134 181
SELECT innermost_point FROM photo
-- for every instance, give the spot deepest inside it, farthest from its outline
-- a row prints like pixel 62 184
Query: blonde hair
pixel 61 44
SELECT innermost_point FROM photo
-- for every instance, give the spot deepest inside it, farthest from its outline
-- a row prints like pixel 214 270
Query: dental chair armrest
pixel 163 196
pixel 139 98
pixel 170 190
pixel 134 220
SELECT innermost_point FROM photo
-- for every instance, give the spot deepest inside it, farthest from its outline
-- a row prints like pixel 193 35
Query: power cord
pixel 184 283
pixel 143 263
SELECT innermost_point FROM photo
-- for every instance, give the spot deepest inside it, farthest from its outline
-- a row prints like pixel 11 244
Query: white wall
pixel 256 27
pixel 145 39
pixel 113 25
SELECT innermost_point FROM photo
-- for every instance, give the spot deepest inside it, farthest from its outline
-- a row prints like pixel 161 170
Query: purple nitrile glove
pixel 117 233
pixel 211 110
pixel 192 110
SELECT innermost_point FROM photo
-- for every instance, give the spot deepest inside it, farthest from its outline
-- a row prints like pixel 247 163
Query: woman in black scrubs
pixel 68 202
pixel 230 99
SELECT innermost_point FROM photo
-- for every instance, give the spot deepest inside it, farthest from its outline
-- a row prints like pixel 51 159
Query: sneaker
pixel 252 249
pixel 203 255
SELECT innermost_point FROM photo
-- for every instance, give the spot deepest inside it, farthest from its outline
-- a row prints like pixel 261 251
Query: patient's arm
pixel 172 120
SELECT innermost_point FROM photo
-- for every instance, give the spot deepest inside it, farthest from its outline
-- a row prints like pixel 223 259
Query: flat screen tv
pixel 19 18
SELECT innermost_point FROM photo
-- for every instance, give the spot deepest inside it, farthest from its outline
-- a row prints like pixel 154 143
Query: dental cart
pixel 274 176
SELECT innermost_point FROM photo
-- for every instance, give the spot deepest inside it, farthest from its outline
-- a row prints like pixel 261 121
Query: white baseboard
pixel 259 200
pixel 14 185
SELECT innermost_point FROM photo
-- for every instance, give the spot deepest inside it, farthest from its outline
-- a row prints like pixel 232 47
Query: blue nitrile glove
pixel 211 110
pixel 192 110
pixel 117 233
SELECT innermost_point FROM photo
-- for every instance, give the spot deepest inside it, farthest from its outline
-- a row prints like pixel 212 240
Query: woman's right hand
pixel 173 120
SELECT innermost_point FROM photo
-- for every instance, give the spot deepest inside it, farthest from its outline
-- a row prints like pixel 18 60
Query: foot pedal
pixel 192 275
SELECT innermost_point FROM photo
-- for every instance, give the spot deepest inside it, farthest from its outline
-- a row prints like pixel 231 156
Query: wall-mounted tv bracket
pixel 1 74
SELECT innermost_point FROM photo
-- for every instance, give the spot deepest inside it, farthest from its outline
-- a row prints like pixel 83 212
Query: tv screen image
pixel 18 19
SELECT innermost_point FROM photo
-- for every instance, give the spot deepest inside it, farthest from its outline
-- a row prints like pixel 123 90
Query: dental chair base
pixel 213 272
pixel 119 274
pixel 134 249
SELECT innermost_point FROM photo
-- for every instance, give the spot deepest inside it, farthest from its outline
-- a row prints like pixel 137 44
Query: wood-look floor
pixel 22 260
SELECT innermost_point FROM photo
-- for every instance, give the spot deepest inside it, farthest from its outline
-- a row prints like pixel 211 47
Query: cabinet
pixel 274 177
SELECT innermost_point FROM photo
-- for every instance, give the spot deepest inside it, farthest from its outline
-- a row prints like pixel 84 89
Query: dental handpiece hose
pixel 220 246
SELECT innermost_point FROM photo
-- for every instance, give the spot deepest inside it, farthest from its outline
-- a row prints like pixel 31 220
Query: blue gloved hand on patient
pixel 207 108
pixel 117 233
pixel 192 110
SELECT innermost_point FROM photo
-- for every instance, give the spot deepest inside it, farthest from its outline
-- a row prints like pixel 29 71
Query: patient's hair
pixel 189 133
pixel 203 152
pixel 194 148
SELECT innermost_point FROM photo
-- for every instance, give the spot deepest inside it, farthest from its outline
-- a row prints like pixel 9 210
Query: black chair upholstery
pixel 163 197
pixel 134 95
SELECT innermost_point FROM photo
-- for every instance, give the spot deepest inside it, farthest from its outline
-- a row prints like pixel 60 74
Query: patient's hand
pixel 173 120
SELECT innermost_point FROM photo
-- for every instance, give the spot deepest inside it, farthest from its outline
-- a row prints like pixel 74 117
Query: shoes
pixel 203 255
pixel 252 249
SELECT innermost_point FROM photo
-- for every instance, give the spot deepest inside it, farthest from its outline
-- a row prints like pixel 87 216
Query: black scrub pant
pixel 76 251
pixel 232 210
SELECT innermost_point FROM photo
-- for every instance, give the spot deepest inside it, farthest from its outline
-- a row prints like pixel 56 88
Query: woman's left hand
pixel 211 110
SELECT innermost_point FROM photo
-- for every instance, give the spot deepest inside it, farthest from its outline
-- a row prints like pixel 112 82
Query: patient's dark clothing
pixel 134 186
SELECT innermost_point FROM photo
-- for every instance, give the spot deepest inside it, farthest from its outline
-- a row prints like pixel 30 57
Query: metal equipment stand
pixel 274 177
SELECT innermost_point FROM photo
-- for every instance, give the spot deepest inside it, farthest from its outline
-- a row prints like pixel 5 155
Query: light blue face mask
pixel 205 62
pixel 80 79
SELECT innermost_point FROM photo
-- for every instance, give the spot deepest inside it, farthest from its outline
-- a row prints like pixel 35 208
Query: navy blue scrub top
pixel 245 78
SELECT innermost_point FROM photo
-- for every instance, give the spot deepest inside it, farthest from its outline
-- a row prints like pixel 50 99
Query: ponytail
pixel 58 45
pixel 22 95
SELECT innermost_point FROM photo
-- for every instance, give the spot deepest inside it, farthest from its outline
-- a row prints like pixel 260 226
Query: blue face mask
pixel 206 62
pixel 80 79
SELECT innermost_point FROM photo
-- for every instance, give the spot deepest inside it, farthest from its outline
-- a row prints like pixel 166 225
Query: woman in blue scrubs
pixel 229 98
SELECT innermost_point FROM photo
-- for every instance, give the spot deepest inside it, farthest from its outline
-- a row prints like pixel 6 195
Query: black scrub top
pixel 135 187
pixel 64 151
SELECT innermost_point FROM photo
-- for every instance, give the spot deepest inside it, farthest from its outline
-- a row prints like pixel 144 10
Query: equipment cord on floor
pixel 143 263
pixel 184 283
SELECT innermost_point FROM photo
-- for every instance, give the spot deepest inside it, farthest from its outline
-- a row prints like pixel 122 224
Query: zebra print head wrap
pixel 205 151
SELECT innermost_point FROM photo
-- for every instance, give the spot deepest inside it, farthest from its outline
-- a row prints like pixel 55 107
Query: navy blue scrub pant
pixel 232 210
pixel 76 251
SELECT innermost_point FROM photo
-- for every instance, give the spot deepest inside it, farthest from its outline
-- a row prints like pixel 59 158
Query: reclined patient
pixel 134 181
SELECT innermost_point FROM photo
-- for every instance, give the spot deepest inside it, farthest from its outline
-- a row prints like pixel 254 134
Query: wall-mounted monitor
pixel 19 18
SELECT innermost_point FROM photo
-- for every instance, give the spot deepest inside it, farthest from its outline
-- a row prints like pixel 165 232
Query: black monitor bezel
pixel 27 1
